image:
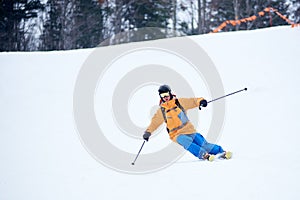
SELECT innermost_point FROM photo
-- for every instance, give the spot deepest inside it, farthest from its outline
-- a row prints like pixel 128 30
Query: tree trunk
pixel 174 15
pixel 118 16
pixel 236 12
pixel 192 20
pixel 203 16
pixel 200 26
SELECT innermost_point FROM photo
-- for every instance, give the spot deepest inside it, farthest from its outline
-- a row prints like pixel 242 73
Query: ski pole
pixel 227 95
pixel 138 153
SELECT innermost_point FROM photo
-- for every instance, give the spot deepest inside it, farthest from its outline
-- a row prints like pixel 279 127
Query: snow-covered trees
pixel 72 24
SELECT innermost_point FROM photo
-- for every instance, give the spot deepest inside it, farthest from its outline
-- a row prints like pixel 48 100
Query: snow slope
pixel 42 156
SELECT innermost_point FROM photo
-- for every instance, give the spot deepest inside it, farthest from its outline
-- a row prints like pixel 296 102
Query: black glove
pixel 146 136
pixel 203 103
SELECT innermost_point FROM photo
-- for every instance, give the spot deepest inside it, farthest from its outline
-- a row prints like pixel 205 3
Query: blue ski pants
pixel 197 145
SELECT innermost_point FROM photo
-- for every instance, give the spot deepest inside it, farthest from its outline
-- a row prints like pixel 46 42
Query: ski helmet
pixel 164 89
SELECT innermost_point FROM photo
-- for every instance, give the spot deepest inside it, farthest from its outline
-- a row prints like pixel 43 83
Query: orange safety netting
pixel 254 17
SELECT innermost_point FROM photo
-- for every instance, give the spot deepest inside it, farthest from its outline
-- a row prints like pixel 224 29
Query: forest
pixel 46 25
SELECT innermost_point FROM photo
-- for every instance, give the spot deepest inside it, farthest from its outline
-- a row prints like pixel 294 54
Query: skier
pixel 172 111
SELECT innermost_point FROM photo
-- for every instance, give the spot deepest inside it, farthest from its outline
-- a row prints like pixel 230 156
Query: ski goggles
pixel 163 95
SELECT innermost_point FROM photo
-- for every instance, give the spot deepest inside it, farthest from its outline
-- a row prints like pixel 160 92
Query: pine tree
pixel 88 24
pixel 72 24
pixel 294 11
pixel 238 9
pixel 132 15
pixel 269 19
pixel 15 28
pixel 220 12
pixel 51 37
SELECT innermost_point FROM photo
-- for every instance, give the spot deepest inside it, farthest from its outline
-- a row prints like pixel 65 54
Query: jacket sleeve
pixel 189 103
pixel 156 121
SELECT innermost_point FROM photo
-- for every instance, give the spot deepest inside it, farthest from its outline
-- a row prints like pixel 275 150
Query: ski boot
pixel 208 157
pixel 226 155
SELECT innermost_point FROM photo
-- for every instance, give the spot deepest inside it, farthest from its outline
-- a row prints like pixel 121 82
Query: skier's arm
pixel 156 121
pixel 189 103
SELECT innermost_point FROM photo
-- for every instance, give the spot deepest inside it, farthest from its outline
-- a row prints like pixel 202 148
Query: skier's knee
pixel 184 141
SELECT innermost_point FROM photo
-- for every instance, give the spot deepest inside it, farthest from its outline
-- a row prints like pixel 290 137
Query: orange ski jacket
pixel 176 120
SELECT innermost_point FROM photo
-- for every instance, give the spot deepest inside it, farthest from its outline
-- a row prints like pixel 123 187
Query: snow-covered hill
pixel 43 156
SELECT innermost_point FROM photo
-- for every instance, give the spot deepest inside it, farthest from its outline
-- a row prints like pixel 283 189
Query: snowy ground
pixel 42 156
